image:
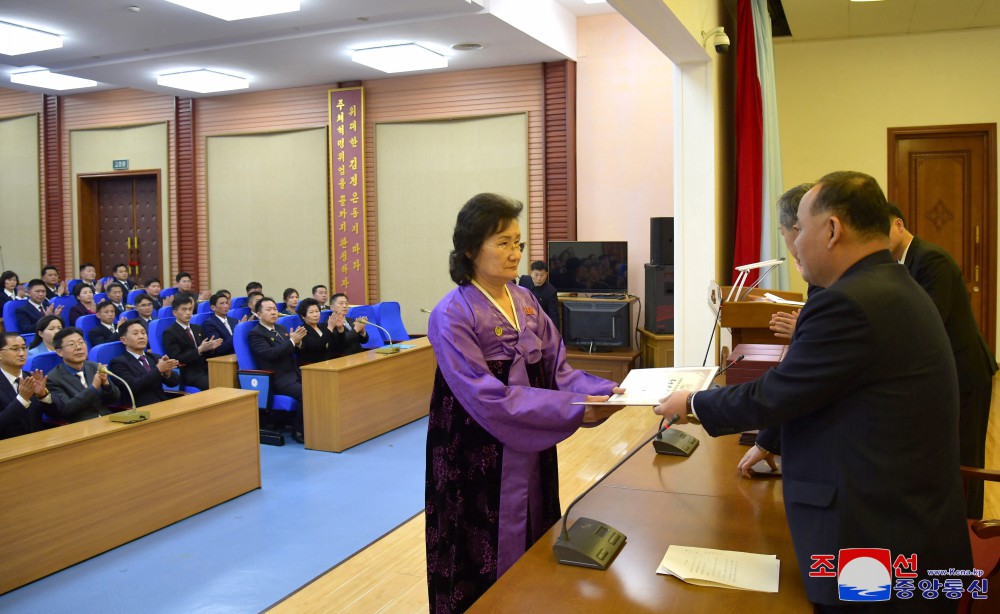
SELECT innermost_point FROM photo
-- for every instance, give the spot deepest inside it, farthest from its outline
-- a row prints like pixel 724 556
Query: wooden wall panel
pixel 188 256
pixel 560 152
pixel 13 103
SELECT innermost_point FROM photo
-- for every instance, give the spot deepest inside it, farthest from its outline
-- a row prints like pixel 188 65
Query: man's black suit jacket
pixel 937 272
pixel 273 351
pixel 76 402
pixel 348 342
pixel 101 334
pixel 177 345
pixel 28 315
pixel 546 294
pixel 213 327
pixel 147 386
pixel 15 418
pixel 867 398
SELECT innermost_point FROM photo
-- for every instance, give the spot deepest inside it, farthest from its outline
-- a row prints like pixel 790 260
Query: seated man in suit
pixel 115 293
pixel 322 295
pixel 153 287
pixel 35 307
pixel 105 332
pixel 81 391
pixel 144 308
pixel 185 285
pixel 88 273
pixel 255 286
pixel 120 273
pixel 273 347
pixel 143 371
pixel 538 283
pixel 220 325
pixel 187 343
pixel 23 395
pixel 252 299
pixel 348 333
pixel 53 287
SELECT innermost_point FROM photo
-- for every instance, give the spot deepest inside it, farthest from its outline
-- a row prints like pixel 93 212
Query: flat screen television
pixel 589 266
pixel 597 325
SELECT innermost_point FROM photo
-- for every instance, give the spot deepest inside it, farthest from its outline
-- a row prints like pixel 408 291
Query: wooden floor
pixel 389 576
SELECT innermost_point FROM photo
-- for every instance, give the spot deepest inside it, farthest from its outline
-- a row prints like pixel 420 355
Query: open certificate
pixel 646 387
pixel 722 568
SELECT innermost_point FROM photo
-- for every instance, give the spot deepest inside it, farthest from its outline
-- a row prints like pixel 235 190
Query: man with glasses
pixel 21 393
pixel 81 391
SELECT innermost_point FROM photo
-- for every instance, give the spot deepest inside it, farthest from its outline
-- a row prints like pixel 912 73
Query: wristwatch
pixel 689 407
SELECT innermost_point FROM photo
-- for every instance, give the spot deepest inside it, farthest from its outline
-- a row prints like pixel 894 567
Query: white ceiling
pixel 106 42
pixel 819 19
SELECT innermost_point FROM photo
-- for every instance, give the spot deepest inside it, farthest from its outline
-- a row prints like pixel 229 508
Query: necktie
pixel 145 363
pixel 191 335
pixel 226 322
pixel 40 310
pixel 17 383
pixel 83 379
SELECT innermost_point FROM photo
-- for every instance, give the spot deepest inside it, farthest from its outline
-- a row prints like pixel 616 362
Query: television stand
pixel 592 349
pixel 613 364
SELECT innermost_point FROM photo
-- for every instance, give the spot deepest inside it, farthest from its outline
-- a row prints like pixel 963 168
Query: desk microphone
pixel 389 349
pixel 129 415
pixel 589 542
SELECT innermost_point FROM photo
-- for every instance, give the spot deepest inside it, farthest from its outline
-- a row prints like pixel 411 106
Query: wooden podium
pixel 749 318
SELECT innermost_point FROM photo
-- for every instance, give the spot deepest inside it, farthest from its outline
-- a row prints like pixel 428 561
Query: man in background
pixel 538 283
pixel 105 331
pixel 187 343
pixel 322 295
pixel 143 371
pixel 81 391
pixel 115 293
pixel 220 325
pixel 348 333
pixel 153 287
pixel 23 396
pixel 53 287
pixel 88 273
pixel 144 309
pixel 120 273
pixel 33 309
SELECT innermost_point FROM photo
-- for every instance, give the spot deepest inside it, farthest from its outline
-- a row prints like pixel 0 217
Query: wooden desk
pixel 613 365
pixel 222 372
pixel 355 398
pixel 656 350
pixel 75 491
pixel 657 501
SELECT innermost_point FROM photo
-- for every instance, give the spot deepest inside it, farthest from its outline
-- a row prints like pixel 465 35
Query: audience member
pixel 88 273
pixel 153 287
pixel 322 295
pixel 115 293
pixel 143 371
pixel 23 395
pixel 220 325
pixel 80 390
pixel 120 273
pixel 185 285
pixel 36 307
pixel 273 347
pixel 291 298
pixel 318 341
pixel 348 333
pixel 187 343
pixel 85 304
pixel 11 287
pixel 53 287
pixel 255 286
pixel 105 331
pixel 144 309
pixel 538 283
pixel 252 300
pixel 229 295
pixel 45 333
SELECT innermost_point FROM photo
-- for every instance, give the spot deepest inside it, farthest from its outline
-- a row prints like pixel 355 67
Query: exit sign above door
pixel 119 165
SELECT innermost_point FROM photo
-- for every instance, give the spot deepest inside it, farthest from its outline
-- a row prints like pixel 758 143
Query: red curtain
pixel 749 144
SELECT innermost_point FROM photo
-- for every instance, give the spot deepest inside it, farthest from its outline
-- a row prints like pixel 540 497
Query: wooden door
pixel 119 222
pixel 943 179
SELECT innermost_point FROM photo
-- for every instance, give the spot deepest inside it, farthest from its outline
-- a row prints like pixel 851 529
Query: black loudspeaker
pixel 661 240
pixel 660 298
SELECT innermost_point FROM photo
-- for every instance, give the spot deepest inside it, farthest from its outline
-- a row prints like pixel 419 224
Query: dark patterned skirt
pixel 462 495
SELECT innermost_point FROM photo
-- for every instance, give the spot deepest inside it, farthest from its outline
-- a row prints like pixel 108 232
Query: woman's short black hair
pixel 483 215
pixel 304 306
pixel 8 275
pixel 288 292
pixel 78 288
pixel 42 323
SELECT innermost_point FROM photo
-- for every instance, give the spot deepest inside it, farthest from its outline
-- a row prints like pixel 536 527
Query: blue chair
pixel 239 313
pixel 128 314
pixel 106 280
pixel 45 361
pixel 168 292
pixel 87 322
pixel 10 317
pixel 100 296
pixel 280 306
pixel 72 284
pixel 105 352
pixel 28 338
pixel 132 295
pixel 252 378
pixel 387 316
pixel 66 302
pixel 200 318
pixel 238 302
pixel 376 338
pixel 203 307
pixel 290 322
pixel 156 328
pixel 167 311
pixel 324 315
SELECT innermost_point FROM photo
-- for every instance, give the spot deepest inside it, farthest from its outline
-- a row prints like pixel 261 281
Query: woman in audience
pixel 85 305
pixel 291 298
pixel 10 285
pixel 316 345
pixel 45 331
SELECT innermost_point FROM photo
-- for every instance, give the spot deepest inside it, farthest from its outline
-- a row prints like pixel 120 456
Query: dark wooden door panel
pixel 115 211
pixel 147 228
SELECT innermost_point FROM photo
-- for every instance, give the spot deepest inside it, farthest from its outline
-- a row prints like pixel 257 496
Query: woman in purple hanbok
pixel 503 397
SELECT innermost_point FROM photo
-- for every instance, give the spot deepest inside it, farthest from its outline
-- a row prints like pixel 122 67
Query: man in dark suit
pixel 53 287
pixel 538 283
pixel 23 395
pixel 120 273
pixel 867 398
pixel 143 371
pixel 153 287
pixel 936 271
pixel 348 333
pixel 220 325
pixel 81 391
pixel 105 331
pixel 187 343
pixel 35 307
pixel 273 347
pixel 144 309
pixel 116 296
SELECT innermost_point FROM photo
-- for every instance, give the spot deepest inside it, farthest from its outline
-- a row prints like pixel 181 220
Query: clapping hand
pixel 359 325
pixel 26 389
pixel 165 365
pixel 41 383
pixel 61 290
pixel 337 320
pixel 297 335
pixel 783 324
pixel 209 344
pixel 100 378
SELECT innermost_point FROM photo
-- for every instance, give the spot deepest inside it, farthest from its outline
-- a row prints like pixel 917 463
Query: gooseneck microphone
pixel 130 415
pixel 589 542
pixel 389 349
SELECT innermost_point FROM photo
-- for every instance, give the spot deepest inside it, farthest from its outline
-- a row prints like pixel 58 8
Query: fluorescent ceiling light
pixel 15 39
pixel 231 10
pixel 399 58
pixel 595 1
pixel 203 81
pixel 49 80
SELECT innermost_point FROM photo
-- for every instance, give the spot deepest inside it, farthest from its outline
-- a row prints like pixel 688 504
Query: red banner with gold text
pixel 347 190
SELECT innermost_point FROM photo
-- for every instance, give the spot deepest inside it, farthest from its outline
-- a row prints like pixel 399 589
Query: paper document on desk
pixel 782 301
pixel 645 387
pixel 722 568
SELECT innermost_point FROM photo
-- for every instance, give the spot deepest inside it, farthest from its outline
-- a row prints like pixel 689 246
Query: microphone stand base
pixel 129 416
pixel 590 543
pixel 675 443
pixel 389 349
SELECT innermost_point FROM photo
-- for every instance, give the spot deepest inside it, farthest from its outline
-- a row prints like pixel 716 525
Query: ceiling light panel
pixel 15 39
pixel 232 10
pixel 399 58
pixel 203 81
pixel 49 80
